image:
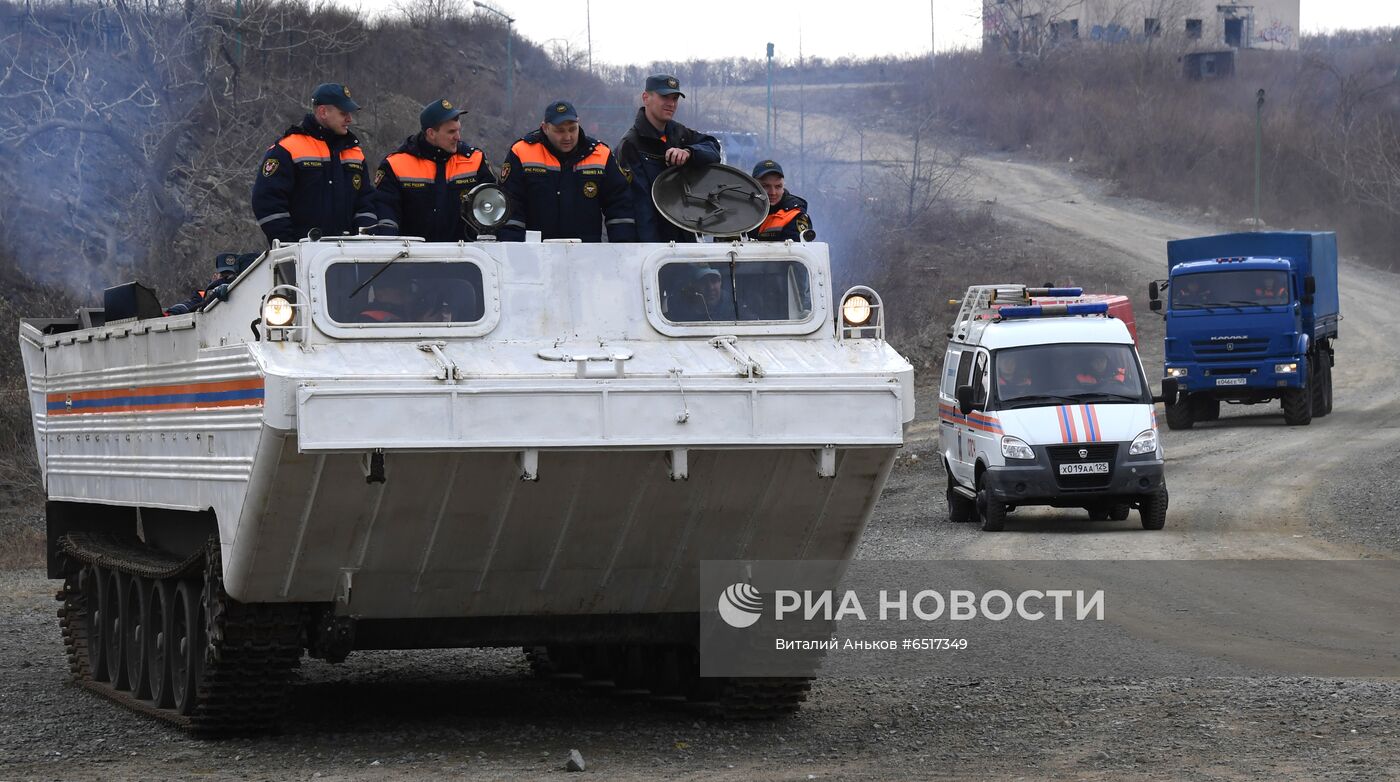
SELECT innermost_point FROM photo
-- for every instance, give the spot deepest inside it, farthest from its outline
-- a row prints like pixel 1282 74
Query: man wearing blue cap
pixel 564 184
pixel 787 214
pixel 421 187
pixel 655 142
pixel 314 177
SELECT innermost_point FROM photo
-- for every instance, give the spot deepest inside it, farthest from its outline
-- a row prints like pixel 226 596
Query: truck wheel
pixel 992 510
pixel 960 509
pixel 1205 408
pixel 1152 509
pixel 1297 406
pixel 1322 386
pixel 1179 415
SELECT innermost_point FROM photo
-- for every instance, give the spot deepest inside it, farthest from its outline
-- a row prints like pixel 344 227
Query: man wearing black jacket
pixel 564 184
pixel 655 142
pixel 314 177
pixel 421 188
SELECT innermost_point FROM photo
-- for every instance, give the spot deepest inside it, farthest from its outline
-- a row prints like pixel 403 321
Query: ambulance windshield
pixel 1075 373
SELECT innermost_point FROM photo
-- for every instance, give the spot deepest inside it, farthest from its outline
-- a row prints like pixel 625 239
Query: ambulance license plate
pixel 1231 381
pixel 1084 468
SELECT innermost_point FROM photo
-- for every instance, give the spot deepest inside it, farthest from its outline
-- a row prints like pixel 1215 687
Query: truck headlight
pixel 1144 443
pixel 1176 371
pixel 277 311
pixel 1286 369
pixel 856 310
pixel 1015 448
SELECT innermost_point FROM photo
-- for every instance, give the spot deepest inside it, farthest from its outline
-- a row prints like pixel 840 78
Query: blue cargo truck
pixel 1250 318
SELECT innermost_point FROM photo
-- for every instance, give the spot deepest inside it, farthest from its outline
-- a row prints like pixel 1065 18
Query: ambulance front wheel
pixel 1152 509
pixel 992 510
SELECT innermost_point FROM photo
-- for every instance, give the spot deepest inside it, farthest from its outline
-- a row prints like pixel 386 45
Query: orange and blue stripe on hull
pixel 247 392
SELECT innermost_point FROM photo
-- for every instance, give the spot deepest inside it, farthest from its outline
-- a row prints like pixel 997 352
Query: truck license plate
pixel 1084 468
pixel 1231 381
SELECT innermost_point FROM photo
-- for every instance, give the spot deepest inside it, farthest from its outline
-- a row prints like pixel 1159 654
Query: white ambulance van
pixel 1047 405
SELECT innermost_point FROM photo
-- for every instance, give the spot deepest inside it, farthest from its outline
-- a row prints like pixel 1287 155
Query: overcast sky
pixel 623 30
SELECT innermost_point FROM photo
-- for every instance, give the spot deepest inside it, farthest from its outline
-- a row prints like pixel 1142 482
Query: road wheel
pixel 1179 414
pixel 186 652
pixel 158 633
pixel 136 613
pixel 1152 509
pixel 992 510
pixel 1205 408
pixel 1297 406
pixel 960 509
pixel 1322 386
pixel 1120 511
pixel 99 603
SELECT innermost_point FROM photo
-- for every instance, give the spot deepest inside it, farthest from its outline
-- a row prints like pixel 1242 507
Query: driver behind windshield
pixel 1012 372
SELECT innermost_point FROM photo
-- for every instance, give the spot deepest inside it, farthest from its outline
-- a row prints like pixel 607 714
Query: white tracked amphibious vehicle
pixel 381 443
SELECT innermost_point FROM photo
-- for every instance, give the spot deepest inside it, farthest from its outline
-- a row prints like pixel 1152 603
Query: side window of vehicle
pixel 948 386
pixel 979 381
pixel 964 369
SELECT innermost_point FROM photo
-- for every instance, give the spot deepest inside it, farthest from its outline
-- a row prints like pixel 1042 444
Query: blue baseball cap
pixel 337 95
pixel 663 84
pixel 560 111
pixel 438 112
pixel 767 167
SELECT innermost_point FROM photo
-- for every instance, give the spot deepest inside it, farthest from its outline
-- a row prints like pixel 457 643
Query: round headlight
pixel 487 207
pixel 277 311
pixel 856 310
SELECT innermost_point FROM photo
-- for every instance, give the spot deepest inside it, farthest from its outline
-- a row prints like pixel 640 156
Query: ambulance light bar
pixel 1053 310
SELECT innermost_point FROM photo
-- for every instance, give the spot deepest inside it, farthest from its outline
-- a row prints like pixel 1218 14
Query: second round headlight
pixel 277 311
pixel 856 310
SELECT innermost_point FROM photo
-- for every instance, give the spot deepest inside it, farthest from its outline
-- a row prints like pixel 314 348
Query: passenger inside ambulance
pixel 1074 373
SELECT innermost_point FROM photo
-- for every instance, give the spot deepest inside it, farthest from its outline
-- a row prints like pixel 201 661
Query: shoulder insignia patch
pixel 505 170
pixel 803 224
pixel 269 166
pixel 378 177
pixel 590 189
pixel 626 172
pixel 356 180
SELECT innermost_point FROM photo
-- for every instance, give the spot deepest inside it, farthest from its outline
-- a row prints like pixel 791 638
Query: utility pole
pixel 588 10
pixel 801 109
pixel 770 99
pixel 932 39
pixel 1258 150
pixel 510 59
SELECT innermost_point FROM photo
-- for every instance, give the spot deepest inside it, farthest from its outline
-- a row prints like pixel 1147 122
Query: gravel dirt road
pixel 1245 487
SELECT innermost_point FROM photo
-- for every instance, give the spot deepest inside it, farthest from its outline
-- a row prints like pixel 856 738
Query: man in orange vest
pixel 314 178
pixel 787 214
pixel 564 184
pixel 422 187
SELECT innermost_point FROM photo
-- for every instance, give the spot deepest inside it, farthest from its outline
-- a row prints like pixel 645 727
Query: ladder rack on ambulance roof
pixel 982 303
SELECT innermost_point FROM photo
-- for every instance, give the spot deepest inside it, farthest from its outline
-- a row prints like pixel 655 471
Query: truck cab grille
pixel 1230 350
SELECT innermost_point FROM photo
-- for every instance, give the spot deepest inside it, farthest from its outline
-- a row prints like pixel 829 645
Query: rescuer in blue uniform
pixel 563 184
pixel 787 214
pixel 655 142
pixel 420 189
pixel 314 177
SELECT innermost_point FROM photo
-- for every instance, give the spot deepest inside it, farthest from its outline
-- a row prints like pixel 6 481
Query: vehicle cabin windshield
pixel 1242 288
pixel 1075 373
pixel 404 292
pixel 731 292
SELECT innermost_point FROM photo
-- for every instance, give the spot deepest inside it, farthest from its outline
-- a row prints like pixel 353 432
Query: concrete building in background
pixel 1034 25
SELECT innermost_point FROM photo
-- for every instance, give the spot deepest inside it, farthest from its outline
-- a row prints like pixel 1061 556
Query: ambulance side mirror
pixel 1170 390
pixel 964 399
